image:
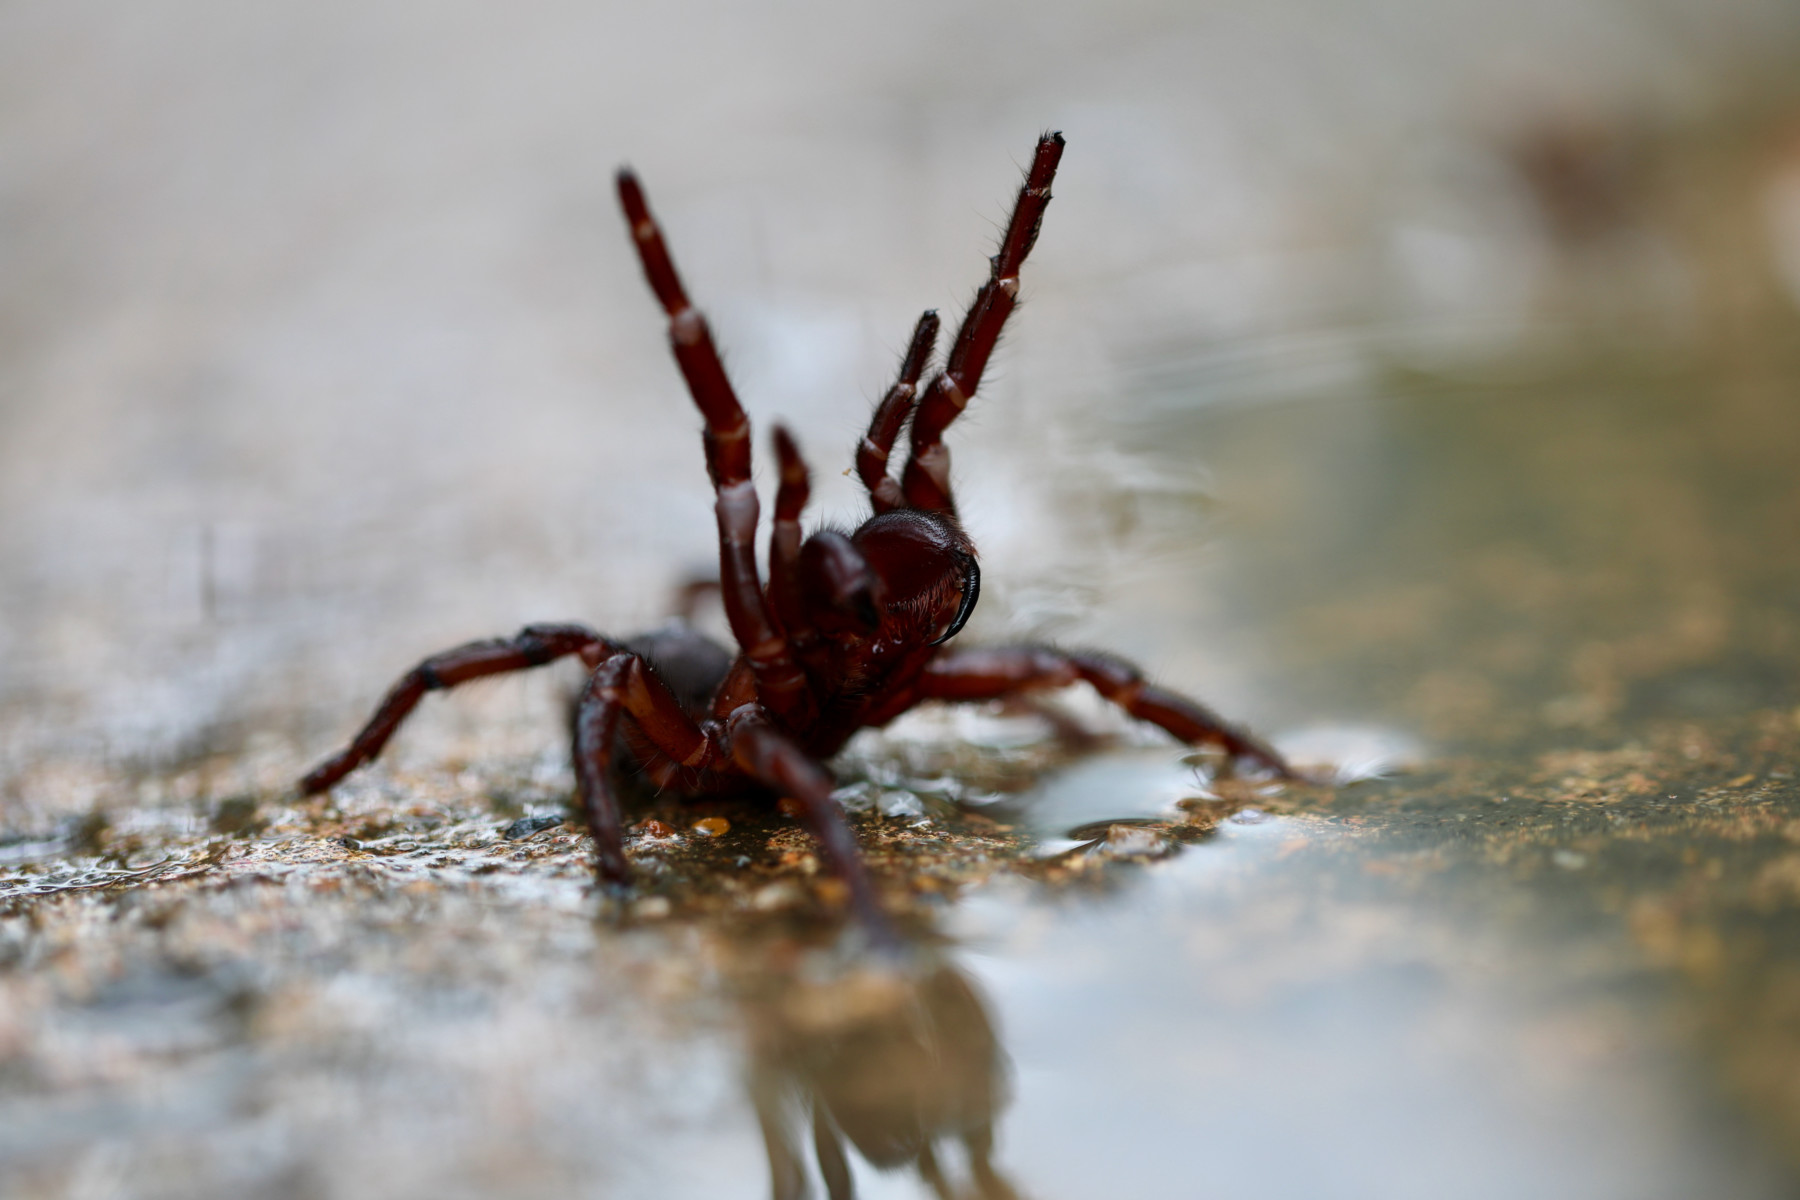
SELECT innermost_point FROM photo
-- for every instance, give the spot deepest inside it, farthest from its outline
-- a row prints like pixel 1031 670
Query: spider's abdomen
pixel 692 664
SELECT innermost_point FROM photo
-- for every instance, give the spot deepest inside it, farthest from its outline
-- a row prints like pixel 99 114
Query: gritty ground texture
pixel 1434 416
pixel 227 989
pixel 204 994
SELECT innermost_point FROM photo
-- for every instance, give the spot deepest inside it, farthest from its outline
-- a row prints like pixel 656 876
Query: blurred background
pixel 323 347
pixel 1421 375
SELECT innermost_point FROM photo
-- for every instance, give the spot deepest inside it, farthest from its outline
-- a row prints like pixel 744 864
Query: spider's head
pixel 906 575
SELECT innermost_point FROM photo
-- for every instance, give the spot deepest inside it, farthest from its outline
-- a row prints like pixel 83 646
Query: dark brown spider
pixel 848 633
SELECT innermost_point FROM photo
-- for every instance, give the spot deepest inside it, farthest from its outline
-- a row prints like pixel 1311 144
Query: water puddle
pixel 1437 420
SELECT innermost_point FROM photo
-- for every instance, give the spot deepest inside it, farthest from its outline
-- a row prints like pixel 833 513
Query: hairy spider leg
pixel 991 673
pixel 767 755
pixel 884 426
pixel 624 684
pixel 780 684
pixel 784 540
pixel 533 646
pixel 926 480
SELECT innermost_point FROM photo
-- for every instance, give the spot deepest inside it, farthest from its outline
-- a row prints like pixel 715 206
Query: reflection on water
pixel 1423 370
pixel 1203 989
pixel 896 1064
pixel 1260 1015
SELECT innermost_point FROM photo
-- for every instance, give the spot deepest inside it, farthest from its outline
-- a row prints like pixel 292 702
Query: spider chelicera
pixel 850 630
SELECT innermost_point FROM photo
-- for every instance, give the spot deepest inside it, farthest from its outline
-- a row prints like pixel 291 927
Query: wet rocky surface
pixel 1472 485
pixel 1569 973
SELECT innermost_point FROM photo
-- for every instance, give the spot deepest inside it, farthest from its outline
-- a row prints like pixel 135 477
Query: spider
pixel 849 632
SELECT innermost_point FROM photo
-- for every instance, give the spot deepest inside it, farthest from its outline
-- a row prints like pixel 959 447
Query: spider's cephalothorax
pixel 850 629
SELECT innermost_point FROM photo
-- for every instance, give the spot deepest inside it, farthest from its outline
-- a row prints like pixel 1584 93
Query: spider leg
pixel 624 683
pixel 769 756
pixel 872 453
pixel 779 681
pixel 995 672
pixel 534 646
pixel 848 584
pixel 926 480
pixel 784 539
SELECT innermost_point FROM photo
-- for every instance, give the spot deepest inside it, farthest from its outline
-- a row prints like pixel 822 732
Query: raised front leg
pixel 785 540
pixel 779 681
pixel 926 480
pixel 991 673
pixel 534 646
pixel 884 425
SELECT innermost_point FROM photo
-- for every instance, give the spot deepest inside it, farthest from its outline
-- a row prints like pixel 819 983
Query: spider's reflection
pixel 898 1065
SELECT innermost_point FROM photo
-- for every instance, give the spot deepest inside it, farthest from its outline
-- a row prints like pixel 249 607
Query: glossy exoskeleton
pixel 850 630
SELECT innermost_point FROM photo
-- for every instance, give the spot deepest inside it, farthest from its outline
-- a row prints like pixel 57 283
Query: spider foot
pixel 1268 761
pixel 322 777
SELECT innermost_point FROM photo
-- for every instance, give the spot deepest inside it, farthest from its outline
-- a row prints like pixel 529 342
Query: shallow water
pixel 1435 420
